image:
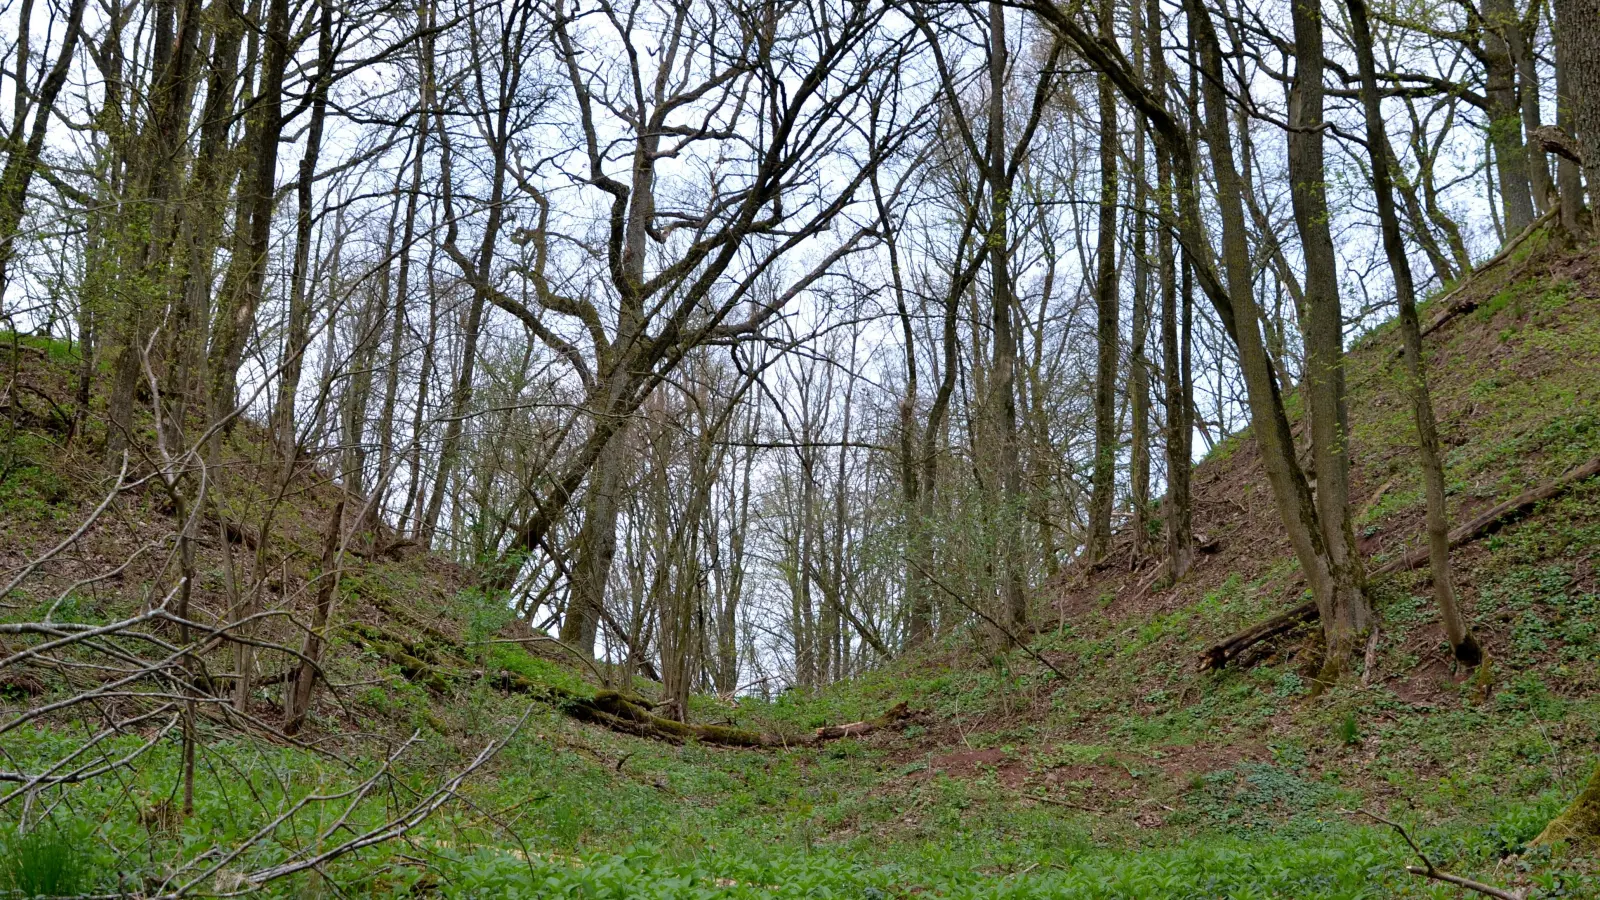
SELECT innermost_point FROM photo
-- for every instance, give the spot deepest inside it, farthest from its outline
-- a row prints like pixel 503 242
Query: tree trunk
pixel 1138 365
pixel 397 322
pixel 1519 38
pixel 298 690
pixel 22 158
pixel 300 309
pixel 1103 482
pixel 1003 379
pixel 1344 609
pixel 597 546
pixel 1465 647
pixel 242 288
pixel 1242 318
pixel 1178 511
pixel 1505 116
pixel 1577 34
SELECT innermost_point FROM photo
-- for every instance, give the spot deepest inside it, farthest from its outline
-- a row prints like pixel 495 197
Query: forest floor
pixel 1120 769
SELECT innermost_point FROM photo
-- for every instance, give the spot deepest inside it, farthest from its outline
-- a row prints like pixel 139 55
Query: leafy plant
pixel 1349 732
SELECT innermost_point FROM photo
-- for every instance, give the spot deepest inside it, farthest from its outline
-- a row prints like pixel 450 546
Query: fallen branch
pixel 1489 521
pixel 1456 304
pixel 1428 870
pixel 1495 518
pixel 1228 649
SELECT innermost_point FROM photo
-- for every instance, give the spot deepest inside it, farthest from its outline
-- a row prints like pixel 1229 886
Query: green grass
pixel 48 861
pixel 59 351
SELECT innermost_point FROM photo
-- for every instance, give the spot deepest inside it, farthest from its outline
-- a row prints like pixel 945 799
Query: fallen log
pixel 897 713
pixel 428 664
pixel 1495 518
pixel 1221 653
pixel 1487 522
pixel 1457 302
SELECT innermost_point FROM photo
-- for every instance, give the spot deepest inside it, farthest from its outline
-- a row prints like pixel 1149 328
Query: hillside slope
pixel 1120 769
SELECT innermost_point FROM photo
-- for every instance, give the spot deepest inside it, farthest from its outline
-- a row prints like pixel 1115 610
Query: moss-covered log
pixel 427 665
pixel 1580 822
pixel 613 710
pixel 415 662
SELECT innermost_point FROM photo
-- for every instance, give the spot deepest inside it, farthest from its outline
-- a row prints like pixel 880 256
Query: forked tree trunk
pixel 1323 383
pixel 1349 612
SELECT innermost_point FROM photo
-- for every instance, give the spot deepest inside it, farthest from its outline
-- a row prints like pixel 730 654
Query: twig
pixel 988 618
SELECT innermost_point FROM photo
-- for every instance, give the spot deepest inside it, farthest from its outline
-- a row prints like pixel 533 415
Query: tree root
pixel 1489 521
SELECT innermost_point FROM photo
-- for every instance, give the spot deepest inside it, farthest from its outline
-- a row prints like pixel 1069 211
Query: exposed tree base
pixel 1578 823
pixel 628 714
pixel 1233 646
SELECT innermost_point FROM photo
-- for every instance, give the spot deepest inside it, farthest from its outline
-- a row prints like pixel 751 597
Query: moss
pixel 1580 822
pixel 407 656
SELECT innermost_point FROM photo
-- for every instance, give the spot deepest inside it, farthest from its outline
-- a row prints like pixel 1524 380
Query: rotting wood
pixel 1489 521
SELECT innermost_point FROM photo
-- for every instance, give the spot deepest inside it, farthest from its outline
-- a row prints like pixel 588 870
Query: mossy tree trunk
pixel 1580 822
